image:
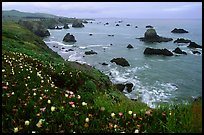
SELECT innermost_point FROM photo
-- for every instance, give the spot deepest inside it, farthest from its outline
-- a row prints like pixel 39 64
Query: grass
pixel 42 93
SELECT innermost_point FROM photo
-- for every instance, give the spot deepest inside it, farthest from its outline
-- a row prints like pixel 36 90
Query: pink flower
pixel 4 87
pixel 120 114
pixel 71 103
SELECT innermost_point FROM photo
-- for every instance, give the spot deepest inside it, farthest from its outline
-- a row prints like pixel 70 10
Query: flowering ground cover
pixel 42 93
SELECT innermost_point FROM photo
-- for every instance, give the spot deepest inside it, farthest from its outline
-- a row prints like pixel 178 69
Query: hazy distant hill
pixel 16 15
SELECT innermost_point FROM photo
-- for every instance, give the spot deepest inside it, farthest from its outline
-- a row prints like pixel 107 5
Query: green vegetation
pixel 43 93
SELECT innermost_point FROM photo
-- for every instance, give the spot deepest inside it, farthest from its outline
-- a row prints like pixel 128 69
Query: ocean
pixel 156 79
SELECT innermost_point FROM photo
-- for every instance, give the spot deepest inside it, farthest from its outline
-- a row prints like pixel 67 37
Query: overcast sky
pixel 111 9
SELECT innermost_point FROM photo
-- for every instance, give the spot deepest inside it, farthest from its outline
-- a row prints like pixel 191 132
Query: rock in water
pixel 120 61
pixel 66 26
pixel 129 87
pixel 194 45
pixel 151 36
pixel 152 51
pixel 77 24
pixel 69 38
pixel 179 31
pixel 178 50
pixel 194 52
pixel 149 26
pixel 129 46
pixel 182 40
pixel 90 52
pixel 120 87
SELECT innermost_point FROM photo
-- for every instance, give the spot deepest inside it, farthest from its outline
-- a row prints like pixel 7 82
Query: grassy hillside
pixel 43 93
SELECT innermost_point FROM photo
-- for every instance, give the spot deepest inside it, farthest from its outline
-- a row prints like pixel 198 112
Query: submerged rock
pixel 127 24
pixel 151 36
pixel 130 46
pixel 194 45
pixel 149 26
pixel 121 87
pixel 90 52
pixel 182 40
pixel 69 38
pixel 179 31
pixel 152 51
pixel 178 50
pixel 105 64
pixel 194 52
pixel 120 61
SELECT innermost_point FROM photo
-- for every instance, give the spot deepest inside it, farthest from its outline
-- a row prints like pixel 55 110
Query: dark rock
pixel 69 38
pixel 149 26
pixel 194 45
pixel 129 87
pixel 151 51
pixel 179 31
pixel 111 44
pixel 120 87
pixel 104 64
pixel 63 48
pixel 182 40
pixel 77 24
pixel 53 45
pixel 106 23
pixel 90 52
pixel 110 35
pixel 120 61
pixel 136 27
pixel 120 21
pixel 117 25
pixel 66 26
pixel 127 24
pixel 178 50
pixel 194 52
pixel 90 34
pixel 58 28
pixel 70 50
pixel 151 36
pixel 130 46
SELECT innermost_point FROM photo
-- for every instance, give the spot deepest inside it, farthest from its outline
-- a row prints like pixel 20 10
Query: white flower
pixel 136 131
pixel 33 131
pixel 39 124
pixel 49 101
pixel 87 119
pixel 3 70
pixel 41 98
pixel 15 130
pixel 170 113
pixel 112 114
pixel 26 84
pixel 78 96
pixel 71 92
pixel 115 126
pixel 34 94
pixel 66 95
pixel 130 112
pixel 134 115
pixel 12 93
pixel 52 108
pixel 28 77
pixel 84 103
pixel 27 122
pixel 73 105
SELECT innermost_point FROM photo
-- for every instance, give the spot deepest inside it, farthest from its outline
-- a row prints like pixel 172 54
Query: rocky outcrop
pixel 66 26
pixel 90 52
pixel 182 40
pixel 179 31
pixel 130 46
pixel 117 25
pixel 151 36
pixel 69 38
pixel 179 51
pixel 152 51
pixel 77 24
pixel 36 27
pixel 121 87
pixel 149 26
pixel 194 45
pixel 195 52
pixel 127 24
pixel 120 61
